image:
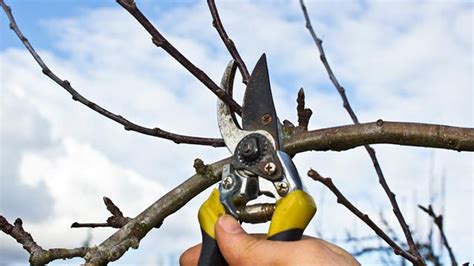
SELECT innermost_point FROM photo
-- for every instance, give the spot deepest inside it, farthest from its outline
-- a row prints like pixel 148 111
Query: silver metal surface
pixel 227 193
pixel 290 172
pixel 268 188
pixel 229 130
pixel 257 213
pixel 238 187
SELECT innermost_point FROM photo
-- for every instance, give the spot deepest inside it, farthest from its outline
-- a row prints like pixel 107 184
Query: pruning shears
pixel 258 167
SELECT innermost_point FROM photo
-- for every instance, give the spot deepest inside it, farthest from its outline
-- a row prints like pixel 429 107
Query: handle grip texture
pixel 291 216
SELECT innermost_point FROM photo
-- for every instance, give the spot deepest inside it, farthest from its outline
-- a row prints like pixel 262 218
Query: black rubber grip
pixel 288 235
pixel 210 253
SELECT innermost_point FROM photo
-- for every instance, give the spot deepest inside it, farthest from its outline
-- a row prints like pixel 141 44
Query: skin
pixel 240 248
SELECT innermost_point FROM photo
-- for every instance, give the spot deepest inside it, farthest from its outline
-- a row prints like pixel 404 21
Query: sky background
pixel 398 60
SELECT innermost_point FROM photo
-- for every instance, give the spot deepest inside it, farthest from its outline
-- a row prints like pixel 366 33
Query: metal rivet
pixel 266 119
pixel 282 188
pixel 228 182
pixel 270 168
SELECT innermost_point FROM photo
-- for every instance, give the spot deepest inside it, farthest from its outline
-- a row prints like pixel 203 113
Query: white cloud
pixel 398 61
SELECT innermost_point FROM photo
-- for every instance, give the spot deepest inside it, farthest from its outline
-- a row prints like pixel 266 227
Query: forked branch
pixel 117 220
pixel 438 220
pixel 128 125
pixel 160 41
pixel 38 255
pixel 130 235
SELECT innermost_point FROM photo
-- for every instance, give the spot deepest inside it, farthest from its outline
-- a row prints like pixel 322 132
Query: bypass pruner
pixel 258 166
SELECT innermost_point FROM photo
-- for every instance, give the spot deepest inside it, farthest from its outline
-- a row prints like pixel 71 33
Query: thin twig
pixel 117 220
pixel 217 23
pixel 438 220
pixel 366 250
pixel 38 255
pixel 370 150
pixel 128 125
pixel 341 199
pixel 160 41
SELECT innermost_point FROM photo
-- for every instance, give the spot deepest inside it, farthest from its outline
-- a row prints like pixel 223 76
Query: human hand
pixel 240 248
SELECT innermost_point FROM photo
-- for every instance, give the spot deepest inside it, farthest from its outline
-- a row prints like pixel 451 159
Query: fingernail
pixel 229 224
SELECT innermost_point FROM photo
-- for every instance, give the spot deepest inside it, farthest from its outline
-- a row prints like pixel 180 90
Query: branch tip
pixel 217 23
pixel 304 114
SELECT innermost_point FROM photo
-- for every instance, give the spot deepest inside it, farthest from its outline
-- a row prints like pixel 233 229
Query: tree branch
pixel 38 255
pixel 438 220
pixel 117 220
pixel 370 150
pixel 339 138
pixel 131 234
pixel 217 23
pixel 381 132
pixel 160 41
pixel 364 217
pixel 128 125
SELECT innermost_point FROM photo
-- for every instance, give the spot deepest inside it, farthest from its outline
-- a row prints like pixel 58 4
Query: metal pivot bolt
pixel 227 182
pixel 249 149
pixel 270 168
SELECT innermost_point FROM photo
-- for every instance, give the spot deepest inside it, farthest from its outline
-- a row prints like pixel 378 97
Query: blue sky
pixel 402 61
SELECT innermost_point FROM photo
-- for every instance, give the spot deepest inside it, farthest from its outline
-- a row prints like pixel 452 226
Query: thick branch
pixel 217 23
pixel 438 220
pixel 370 150
pixel 160 41
pixel 364 217
pixel 128 125
pixel 382 132
pixel 38 255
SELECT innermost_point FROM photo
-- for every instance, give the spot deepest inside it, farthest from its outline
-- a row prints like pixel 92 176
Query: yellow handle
pixel 208 215
pixel 210 212
pixel 292 215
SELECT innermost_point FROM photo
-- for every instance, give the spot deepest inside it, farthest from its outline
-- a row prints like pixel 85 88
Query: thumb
pixel 235 244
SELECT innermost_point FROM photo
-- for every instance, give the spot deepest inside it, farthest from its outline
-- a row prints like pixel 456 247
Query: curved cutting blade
pixel 228 126
pixel 258 108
